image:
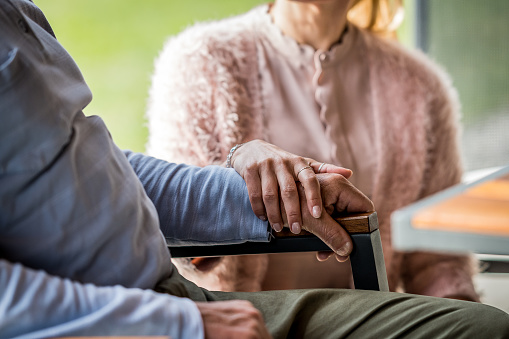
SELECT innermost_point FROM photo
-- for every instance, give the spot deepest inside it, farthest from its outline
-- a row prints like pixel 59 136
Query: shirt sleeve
pixel 199 206
pixel 74 309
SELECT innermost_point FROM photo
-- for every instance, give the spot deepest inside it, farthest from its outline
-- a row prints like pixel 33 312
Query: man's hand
pixel 338 195
pixel 232 319
pixel 271 174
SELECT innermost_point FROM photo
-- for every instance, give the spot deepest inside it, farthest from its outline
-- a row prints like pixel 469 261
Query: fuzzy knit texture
pixel 206 97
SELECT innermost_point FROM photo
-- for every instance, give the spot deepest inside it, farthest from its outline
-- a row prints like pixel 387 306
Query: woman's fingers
pixel 307 177
pixel 270 196
pixel 290 198
pixel 326 229
pixel 254 189
pixel 271 174
pixel 322 167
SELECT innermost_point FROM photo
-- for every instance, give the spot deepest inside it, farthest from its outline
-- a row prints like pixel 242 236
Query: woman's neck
pixel 318 24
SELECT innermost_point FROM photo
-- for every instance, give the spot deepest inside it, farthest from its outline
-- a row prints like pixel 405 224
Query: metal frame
pixel 421 24
pixel 366 259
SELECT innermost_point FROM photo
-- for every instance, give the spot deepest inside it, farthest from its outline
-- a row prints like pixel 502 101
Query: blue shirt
pixel 82 224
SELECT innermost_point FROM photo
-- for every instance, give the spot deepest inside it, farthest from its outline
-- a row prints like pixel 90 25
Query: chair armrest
pixel 284 241
pixel 368 267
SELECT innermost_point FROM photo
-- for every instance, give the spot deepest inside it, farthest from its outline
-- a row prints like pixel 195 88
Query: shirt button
pixel 320 79
pixel 323 57
pixel 23 25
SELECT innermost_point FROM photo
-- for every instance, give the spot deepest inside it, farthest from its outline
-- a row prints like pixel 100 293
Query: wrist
pixel 230 155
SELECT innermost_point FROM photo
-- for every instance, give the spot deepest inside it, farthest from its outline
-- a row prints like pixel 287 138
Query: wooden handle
pixel 356 224
pixel 353 223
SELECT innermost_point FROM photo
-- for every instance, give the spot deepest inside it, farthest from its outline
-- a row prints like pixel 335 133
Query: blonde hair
pixel 381 17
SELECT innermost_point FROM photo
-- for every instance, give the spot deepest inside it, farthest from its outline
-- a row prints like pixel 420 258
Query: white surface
pixel 494 289
pixel 468 177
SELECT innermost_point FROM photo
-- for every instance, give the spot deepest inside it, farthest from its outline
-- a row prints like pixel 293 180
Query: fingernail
pixel 317 212
pixel 262 218
pixel 295 228
pixel 343 251
pixel 341 259
pixel 277 227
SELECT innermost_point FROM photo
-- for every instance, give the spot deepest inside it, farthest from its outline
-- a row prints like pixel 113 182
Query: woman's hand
pixel 271 174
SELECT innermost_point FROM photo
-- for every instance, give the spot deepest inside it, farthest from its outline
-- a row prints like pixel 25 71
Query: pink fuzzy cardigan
pixel 205 97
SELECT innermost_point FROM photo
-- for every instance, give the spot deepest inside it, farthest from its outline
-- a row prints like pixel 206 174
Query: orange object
pixel 481 209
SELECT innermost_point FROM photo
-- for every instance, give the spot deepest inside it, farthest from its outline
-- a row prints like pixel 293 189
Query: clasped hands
pixel 293 191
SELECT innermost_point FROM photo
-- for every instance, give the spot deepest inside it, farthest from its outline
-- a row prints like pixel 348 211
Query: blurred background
pixel 115 42
pixel 469 39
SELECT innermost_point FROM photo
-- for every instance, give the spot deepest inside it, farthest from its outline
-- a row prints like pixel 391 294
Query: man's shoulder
pixel 28 8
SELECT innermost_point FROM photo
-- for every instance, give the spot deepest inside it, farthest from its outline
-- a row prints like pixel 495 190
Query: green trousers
pixel 340 313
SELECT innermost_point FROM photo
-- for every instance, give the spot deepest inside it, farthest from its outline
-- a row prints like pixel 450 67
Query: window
pixel 469 38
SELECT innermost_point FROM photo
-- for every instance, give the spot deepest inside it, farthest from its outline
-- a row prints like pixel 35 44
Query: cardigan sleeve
pixel 203 94
pixel 442 275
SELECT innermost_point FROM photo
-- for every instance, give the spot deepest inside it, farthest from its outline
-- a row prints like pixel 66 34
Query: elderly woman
pixel 320 79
